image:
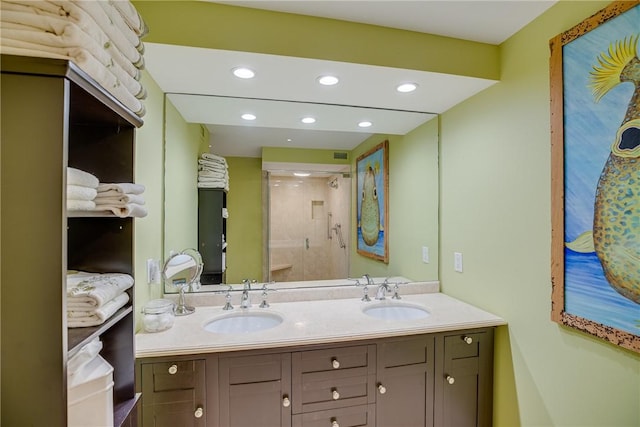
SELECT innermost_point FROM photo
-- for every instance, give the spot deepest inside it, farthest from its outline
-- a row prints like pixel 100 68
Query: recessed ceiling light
pixel 328 80
pixel 243 73
pixel 301 173
pixel 364 124
pixel 248 116
pixel 407 87
pixel 308 120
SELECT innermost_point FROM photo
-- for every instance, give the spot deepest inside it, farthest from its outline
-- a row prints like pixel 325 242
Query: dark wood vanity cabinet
pixel 174 394
pixel 255 390
pixel 390 382
pixel 464 379
pixel 404 382
pixel 53 116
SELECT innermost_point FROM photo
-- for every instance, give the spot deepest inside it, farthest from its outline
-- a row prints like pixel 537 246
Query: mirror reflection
pixel 182 271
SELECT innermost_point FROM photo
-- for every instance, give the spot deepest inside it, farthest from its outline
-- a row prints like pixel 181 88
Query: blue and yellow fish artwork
pixel 615 237
pixel 370 206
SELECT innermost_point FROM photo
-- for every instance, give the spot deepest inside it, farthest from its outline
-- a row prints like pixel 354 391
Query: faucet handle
pixel 265 290
pixel 357 281
pixel 227 297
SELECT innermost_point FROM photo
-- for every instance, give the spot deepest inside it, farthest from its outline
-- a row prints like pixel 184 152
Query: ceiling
pixel 200 85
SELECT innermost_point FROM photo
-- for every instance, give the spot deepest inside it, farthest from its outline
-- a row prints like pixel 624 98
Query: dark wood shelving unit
pixel 55 116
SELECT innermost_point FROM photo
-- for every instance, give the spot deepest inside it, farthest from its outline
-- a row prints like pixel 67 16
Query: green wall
pixel 149 170
pixel 244 226
pixel 495 209
pixel 183 145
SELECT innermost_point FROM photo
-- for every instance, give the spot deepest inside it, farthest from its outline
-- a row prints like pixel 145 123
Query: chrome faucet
pixel 245 301
pixel 382 289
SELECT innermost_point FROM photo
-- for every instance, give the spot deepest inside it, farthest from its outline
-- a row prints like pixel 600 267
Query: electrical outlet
pixel 457 261
pixel 425 254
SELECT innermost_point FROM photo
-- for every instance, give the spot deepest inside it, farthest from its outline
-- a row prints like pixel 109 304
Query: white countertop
pixel 311 322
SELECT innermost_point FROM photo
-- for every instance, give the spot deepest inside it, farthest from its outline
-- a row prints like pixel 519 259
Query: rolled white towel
pixel 211 174
pixel 213 164
pixel 211 156
pixel 123 188
pixel 78 192
pixel 118 199
pixel 81 319
pixel 80 177
pixel 128 210
pixel 80 205
pixel 131 16
pixel 91 290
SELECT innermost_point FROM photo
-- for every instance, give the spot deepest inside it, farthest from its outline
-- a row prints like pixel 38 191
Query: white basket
pixel 90 395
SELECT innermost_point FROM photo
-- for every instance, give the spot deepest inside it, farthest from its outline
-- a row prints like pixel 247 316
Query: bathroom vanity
pixel 327 363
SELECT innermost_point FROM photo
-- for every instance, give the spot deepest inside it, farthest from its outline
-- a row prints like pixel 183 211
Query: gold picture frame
pixel 372 184
pixel 595 284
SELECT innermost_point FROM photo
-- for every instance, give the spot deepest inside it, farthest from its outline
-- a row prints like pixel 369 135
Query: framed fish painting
pixel 595 149
pixel 372 180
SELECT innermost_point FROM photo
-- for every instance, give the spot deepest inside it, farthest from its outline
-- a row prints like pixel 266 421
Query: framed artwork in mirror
pixel 372 177
pixel 595 149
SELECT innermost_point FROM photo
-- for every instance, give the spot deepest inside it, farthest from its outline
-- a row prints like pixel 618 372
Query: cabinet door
pixel 405 383
pixel 465 379
pixel 173 394
pixel 255 391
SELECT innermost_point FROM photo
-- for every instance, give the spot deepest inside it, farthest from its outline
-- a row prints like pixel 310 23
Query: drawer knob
pixel 173 369
pixel 334 394
pixel 199 412
pixel 334 423
pixel 382 389
pixel 335 363
pixel 450 379
pixel 286 402
pixel 468 340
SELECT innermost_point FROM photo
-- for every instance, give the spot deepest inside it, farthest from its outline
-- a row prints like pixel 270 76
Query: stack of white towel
pixel 213 172
pixel 87 194
pixel 81 190
pixel 92 298
pixel 102 37
pixel 123 199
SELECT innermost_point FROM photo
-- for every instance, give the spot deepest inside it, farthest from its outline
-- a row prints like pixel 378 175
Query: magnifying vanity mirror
pixel 182 271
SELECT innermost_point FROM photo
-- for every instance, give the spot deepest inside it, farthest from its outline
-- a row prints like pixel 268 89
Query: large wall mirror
pixel 263 153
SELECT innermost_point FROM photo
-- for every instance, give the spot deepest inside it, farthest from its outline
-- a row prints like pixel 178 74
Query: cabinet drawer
pixel 353 416
pixel 331 359
pixel 175 375
pixel 252 369
pixel 402 352
pixel 333 391
pixel 461 346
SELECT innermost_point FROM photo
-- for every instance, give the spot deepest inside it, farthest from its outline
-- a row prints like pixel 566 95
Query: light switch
pixel 425 254
pixel 153 271
pixel 457 261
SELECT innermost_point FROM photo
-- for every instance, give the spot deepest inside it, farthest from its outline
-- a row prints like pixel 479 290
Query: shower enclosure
pixel 308 225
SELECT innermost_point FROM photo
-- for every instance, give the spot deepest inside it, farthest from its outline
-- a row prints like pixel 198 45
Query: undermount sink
pixel 395 311
pixel 243 322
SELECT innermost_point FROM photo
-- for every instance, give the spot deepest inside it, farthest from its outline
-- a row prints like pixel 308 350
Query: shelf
pixel 122 410
pixel 77 337
pixel 278 267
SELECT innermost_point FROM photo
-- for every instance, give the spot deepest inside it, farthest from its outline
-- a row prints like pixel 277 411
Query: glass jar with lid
pixel 158 315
